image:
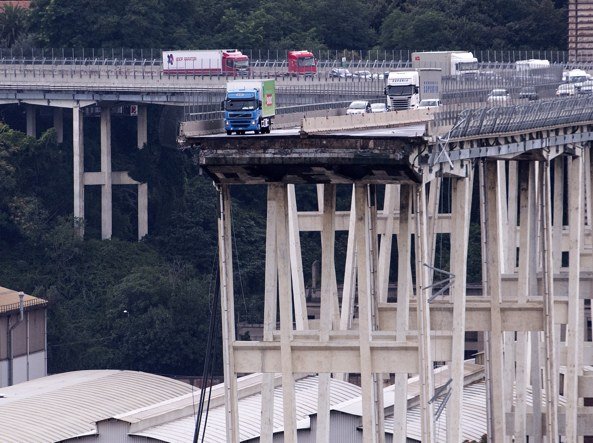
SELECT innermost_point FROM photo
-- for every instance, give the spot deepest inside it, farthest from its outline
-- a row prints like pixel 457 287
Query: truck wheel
pixel 229 132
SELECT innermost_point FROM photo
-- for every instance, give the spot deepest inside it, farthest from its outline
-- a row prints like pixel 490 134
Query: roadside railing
pixel 509 119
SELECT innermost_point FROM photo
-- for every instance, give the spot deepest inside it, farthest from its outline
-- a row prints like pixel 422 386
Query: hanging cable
pixel 207 371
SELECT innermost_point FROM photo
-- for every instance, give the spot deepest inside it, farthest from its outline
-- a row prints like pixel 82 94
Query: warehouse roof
pixel 68 405
pixel 9 300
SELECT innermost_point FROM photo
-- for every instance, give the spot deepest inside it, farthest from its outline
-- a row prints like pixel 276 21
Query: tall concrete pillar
pixel 142 126
pixel 142 210
pixel 31 121
pixel 59 124
pixel 78 155
pixel 142 138
pixel 106 188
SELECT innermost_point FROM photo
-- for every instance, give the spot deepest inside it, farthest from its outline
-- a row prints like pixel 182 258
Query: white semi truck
pixel 402 90
pixel 451 63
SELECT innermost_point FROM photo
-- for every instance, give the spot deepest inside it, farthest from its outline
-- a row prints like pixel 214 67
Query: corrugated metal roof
pixel 471 372
pixel 473 423
pixel 63 406
pixel 9 300
pixel 182 430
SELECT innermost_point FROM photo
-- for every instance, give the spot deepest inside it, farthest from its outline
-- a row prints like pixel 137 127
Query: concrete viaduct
pixel 530 168
pixel 76 87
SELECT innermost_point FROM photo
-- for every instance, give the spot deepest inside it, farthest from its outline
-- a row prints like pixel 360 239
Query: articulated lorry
pixel 249 105
pixel 402 90
pixel 451 63
pixel 206 62
pixel 301 63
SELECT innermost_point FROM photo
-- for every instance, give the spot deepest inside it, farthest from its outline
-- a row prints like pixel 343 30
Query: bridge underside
pixel 313 159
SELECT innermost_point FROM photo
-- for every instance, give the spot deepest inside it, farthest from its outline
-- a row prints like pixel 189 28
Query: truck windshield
pixel 306 61
pixel 241 64
pixel 467 66
pixel 240 105
pixel 401 90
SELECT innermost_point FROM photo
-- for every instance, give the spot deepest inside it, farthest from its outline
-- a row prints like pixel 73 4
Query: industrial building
pixel 129 406
pixel 23 338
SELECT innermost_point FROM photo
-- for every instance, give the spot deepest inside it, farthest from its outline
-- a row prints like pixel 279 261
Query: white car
pixel 358 107
pixel 566 90
pixel 429 103
pixel 378 107
pixel 498 96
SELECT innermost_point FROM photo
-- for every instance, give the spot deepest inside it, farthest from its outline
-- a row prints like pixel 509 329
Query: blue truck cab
pixel 249 105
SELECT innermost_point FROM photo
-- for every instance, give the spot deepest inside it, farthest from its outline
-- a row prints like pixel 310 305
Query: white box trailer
pixel 451 63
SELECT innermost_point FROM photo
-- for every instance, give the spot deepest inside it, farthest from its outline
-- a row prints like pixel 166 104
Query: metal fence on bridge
pixel 357 58
pixel 509 119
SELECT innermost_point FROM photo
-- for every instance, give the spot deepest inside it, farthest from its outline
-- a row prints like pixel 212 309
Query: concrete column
pixel 461 201
pixel 347 308
pixel 551 366
pixel 574 331
pixel 425 362
pixel 326 304
pixel 142 131
pixel 106 188
pixel 363 251
pixel 270 313
pixel 296 262
pixel 227 304
pixel 142 210
pixel 491 284
pixel 526 284
pixel 389 205
pixel 142 126
pixel 59 124
pixel 285 308
pixel 404 291
pixel 78 168
pixel 31 121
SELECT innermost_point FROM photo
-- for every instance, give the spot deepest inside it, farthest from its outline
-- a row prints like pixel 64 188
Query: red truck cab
pixel 234 62
pixel 301 63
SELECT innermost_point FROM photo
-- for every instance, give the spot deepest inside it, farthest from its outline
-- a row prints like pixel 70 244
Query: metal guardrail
pixel 14 307
pixel 510 119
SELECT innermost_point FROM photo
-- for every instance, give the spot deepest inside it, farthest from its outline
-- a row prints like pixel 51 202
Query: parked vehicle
pixel 429 103
pixel 381 75
pixel 575 76
pixel 358 107
pixel 565 90
pixel 459 63
pixel 531 64
pixel 378 107
pixel 362 74
pixel 216 61
pixel 340 73
pixel 301 63
pixel 402 90
pixel 528 92
pixel 249 105
pixel 498 96
pixel 586 88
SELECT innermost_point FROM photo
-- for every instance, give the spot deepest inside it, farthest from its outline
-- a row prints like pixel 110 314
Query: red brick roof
pixel 20 3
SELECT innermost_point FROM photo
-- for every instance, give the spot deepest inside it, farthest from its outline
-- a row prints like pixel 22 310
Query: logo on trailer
pixel 170 59
pixel 269 100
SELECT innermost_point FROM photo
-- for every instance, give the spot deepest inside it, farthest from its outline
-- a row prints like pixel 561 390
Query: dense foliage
pixel 145 306
pixel 289 24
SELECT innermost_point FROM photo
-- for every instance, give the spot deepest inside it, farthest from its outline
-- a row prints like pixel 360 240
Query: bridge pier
pixel 106 177
pixel 31 116
pixel 536 257
pixel 58 120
